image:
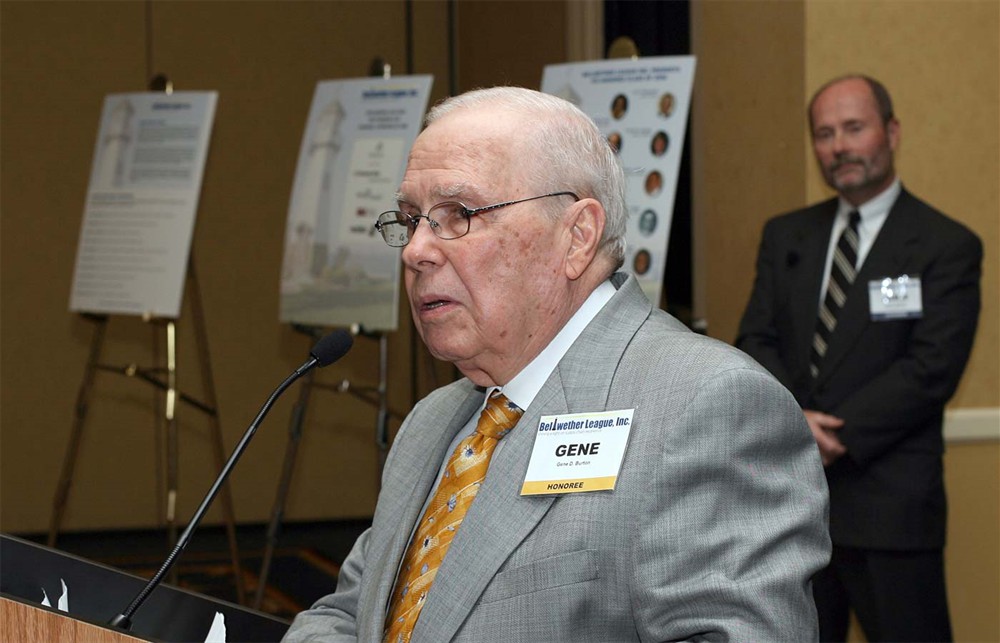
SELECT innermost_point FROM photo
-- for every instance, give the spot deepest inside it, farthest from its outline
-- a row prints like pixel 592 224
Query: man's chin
pixel 442 348
pixel 851 182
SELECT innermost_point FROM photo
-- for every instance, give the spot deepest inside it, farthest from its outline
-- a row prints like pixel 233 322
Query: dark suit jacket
pixel 888 380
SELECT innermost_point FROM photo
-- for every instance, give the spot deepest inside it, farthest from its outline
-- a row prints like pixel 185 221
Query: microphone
pixel 326 351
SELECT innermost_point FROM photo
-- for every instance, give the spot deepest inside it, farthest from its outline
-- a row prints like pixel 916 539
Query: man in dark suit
pixel 871 334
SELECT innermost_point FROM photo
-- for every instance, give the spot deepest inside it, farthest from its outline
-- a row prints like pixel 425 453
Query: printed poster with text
pixel 142 198
pixel 642 107
pixel 337 270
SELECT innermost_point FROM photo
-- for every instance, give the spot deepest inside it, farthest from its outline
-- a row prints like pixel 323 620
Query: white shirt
pixel 873 214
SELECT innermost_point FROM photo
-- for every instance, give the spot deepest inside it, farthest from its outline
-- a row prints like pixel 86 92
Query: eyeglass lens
pixel 448 220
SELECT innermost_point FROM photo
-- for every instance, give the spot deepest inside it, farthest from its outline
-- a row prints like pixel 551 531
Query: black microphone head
pixel 332 347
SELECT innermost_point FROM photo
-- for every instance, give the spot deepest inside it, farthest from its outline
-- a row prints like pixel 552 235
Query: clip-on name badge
pixel 577 452
pixel 895 298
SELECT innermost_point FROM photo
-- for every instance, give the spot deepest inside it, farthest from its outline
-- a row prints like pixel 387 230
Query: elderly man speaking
pixel 600 473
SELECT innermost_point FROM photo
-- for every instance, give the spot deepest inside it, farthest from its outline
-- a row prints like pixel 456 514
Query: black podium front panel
pixel 97 593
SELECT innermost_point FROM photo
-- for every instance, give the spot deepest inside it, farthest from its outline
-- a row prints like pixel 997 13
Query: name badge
pixel 895 298
pixel 577 452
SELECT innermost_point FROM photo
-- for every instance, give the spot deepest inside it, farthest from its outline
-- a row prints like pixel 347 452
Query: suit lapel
pixel 500 518
pixel 888 256
pixel 413 472
pixel 497 522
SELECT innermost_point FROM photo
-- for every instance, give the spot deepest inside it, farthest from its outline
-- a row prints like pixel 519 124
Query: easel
pixel 374 395
pixel 155 377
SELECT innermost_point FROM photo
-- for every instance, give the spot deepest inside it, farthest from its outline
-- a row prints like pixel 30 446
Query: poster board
pixel 642 107
pixel 337 270
pixel 142 197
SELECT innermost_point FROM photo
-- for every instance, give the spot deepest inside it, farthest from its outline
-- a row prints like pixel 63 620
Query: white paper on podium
pixel 63 603
pixel 217 633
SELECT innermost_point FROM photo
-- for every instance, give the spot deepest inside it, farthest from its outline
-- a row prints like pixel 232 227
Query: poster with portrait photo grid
pixel 641 106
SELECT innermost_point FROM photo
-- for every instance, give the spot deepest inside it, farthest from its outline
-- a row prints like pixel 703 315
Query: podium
pixel 24 622
pixel 97 593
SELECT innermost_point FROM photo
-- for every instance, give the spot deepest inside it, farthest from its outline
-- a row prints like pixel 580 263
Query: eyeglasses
pixel 448 220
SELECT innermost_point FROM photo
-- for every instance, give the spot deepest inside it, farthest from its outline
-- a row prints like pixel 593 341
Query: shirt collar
pixel 524 386
pixel 876 208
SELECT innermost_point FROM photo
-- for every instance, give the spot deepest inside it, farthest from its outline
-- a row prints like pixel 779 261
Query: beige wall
pixel 746 130
pixel 59 59
pixel 940 60
pixel 758 64
pixel 942 63
pixel 264 58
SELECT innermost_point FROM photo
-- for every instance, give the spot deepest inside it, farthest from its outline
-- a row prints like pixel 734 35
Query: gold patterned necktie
pixel 462 477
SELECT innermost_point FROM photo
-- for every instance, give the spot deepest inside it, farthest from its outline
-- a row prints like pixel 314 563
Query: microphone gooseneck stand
pixel 326 351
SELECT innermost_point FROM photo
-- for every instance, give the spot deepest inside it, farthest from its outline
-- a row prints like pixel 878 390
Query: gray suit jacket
pixel 715 527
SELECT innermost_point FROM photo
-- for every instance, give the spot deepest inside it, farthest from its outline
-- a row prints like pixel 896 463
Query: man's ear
pixel 892 129
pixel 586 227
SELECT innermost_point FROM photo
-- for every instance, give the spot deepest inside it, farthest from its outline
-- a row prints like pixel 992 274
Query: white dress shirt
pixel 873 214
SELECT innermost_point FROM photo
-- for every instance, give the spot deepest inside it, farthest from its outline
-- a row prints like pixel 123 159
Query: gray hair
pixel 568 152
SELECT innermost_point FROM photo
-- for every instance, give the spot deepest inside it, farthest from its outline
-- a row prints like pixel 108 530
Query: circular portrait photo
pixel 619 106
pixel 654 183
pixel 666 105
pixel 615 141
pixel 641 261
pixel 647 223
pixel 659 144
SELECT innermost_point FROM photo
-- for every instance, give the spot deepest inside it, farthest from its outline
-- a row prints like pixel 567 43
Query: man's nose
pixel 838 143
pixel 422 242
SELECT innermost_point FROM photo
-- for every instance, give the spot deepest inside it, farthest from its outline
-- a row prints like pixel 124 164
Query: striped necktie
pixel 842 273
pixel 463 475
